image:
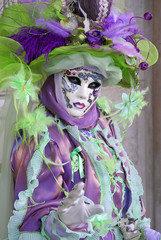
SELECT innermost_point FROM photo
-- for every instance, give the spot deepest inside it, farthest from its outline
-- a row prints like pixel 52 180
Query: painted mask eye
pixel 74 80
pixel 94 85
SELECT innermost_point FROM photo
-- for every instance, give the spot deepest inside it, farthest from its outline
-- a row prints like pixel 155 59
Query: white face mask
pixel 81 89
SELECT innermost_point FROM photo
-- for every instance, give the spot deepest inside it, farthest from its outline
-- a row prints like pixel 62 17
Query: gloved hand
pixel 73 211
pixel 152 234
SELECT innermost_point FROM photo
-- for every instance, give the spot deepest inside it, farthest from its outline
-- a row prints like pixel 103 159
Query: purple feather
pixel 119 30
pixel 37 41
pixel 119 26
pixel 127 48
pixel 54 27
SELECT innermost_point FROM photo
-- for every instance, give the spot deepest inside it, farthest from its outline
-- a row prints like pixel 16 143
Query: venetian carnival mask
pixel 80 89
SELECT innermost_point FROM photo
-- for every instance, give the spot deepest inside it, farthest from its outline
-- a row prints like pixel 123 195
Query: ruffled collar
pixel 48 99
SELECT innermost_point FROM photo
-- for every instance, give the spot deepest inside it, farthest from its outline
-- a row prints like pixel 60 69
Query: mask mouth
pixel 79 105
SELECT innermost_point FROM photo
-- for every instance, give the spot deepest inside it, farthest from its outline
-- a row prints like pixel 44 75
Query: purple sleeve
pixel 47 195
pixel 152 234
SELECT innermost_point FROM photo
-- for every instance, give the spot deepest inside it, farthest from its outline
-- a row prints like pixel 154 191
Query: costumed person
pixel 72 177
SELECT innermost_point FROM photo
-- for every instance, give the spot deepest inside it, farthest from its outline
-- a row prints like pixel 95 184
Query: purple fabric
pixel 152 234
pixel 54 27
pixel 127 201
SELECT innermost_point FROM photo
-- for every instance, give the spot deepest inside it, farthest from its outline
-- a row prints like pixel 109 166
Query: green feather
pixel 33 124
pixel 103 104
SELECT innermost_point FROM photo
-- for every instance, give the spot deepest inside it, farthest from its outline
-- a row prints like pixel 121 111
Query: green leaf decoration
pixel 147 49
pixel 49 162
pixel 14 17
pixel 131 106
pixel 8 47
pixel 33 124
pixel 53 10
pixel 10 64
pixel 128 71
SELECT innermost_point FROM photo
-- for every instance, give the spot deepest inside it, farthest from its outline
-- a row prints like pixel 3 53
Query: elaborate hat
pixel 38 39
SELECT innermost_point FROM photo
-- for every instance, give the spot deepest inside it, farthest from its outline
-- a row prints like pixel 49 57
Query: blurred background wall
pixel 143 139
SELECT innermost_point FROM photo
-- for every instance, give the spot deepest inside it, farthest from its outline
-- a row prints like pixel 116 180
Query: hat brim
pixel 112 64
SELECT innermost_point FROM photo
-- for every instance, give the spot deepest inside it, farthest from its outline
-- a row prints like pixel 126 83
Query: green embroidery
pixel 77 162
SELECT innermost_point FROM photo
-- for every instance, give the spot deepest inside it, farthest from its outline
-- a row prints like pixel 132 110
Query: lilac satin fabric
pixel 48 193
pixel 152 234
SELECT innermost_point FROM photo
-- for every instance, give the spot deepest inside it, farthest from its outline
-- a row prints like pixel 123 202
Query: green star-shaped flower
pixel 131 105
pixel 24 90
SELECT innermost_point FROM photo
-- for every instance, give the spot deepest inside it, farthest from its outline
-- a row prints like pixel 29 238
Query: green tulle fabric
pixel 88 55
pixel 20 15
pixel 53 10
pixel 112 74
pixel 13 18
